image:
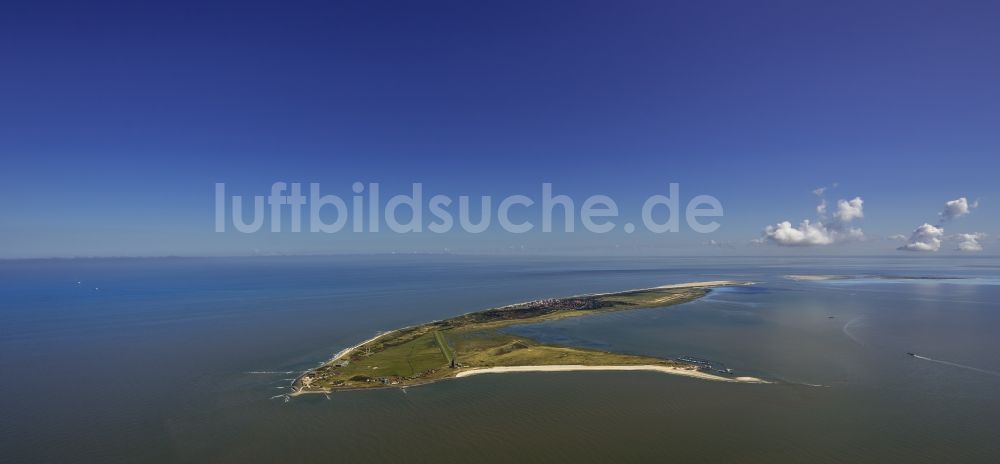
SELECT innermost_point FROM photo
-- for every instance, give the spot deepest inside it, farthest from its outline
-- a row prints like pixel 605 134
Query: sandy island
pixel 473 344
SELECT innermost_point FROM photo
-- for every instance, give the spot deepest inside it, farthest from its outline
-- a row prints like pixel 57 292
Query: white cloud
pixel 819 232
pixel 957 208
pixel 924 238
pixel 719 244
pixel 928 237
pixel 969 242
pixel 821 207
pixel 805 234
pixel 898 237
pixel 810 233
pixel 850 210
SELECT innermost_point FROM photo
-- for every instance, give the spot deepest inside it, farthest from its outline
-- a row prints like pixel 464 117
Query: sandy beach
pixel 707 283
pixel 576 367
pixel 345 351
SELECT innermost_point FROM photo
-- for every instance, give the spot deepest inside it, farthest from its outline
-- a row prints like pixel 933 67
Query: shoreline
pixel 694 373
pixel 699 284
pixel 706 284
pixel 346 351
pixel 679 371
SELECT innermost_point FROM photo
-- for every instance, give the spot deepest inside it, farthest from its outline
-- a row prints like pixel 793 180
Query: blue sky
pixel 117 119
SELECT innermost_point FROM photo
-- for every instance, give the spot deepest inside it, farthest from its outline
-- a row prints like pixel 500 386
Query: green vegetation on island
pixel 443 349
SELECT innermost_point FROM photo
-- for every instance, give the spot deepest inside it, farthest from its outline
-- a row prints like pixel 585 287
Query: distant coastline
pixel 825 277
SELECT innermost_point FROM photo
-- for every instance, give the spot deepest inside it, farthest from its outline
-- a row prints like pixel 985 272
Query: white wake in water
pixel 960 366
pixel 847 329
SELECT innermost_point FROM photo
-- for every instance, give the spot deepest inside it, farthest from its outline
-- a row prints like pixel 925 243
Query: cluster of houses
pixel 394 379
pixel 563 304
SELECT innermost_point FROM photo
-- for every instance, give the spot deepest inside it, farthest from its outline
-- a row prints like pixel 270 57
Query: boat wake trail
pixel 847 329
pixel 961 366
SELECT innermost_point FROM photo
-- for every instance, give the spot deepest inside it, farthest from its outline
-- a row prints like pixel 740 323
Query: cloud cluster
pixel 928 237
pixel 809 233
pixel 924 238
pixel 821 231
pixel 955 209
pixel 969 242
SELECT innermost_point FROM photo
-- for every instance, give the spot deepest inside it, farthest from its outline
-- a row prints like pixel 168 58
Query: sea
pixel 190 360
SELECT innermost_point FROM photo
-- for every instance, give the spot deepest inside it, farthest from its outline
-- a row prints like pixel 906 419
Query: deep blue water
pixel 122 360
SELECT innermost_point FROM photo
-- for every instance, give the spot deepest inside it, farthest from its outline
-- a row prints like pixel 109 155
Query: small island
pixel 474 343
